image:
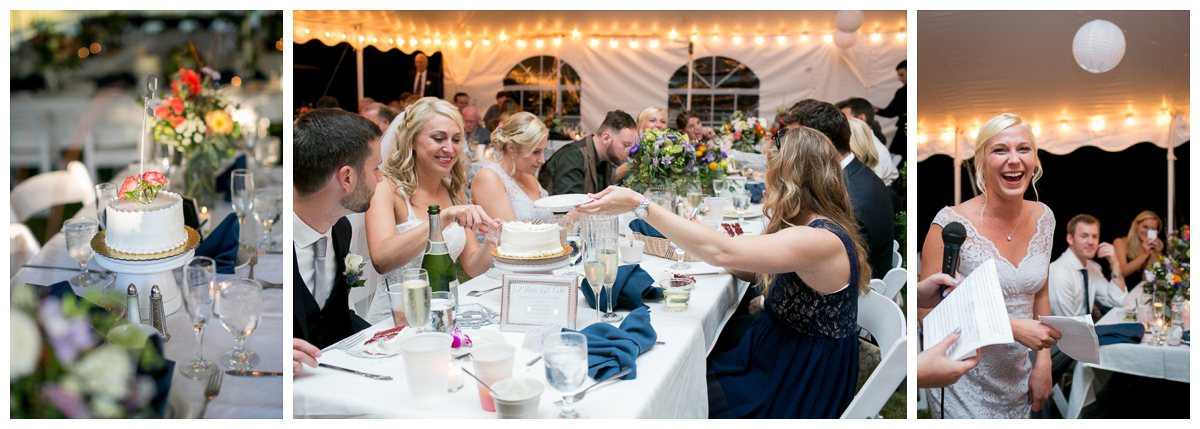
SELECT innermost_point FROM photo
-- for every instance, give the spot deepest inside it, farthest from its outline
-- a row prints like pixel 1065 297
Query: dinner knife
pixel 364 374
pixel 245 373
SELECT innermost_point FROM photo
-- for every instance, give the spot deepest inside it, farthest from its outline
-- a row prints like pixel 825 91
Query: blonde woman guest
pixel 651 118
pixel 507 189
pixel 424 168
pixel 799 359
pixel 1137 251
pixel 872 153
pixel 1002 225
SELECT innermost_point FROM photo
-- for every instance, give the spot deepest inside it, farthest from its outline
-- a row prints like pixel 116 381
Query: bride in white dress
pixel 424 167
pixel 508 188
pixel 1002 225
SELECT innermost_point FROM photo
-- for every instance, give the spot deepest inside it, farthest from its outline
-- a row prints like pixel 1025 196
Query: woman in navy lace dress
pixel 800 357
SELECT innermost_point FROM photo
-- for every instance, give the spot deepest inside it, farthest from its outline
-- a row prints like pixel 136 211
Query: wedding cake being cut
pixel 526 240
pixel 143 222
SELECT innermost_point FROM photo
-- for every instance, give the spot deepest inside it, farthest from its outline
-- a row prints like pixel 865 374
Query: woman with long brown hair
pixel 1137 251
pixel 799 359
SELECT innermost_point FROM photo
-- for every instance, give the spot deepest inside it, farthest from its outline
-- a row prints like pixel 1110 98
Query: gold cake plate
pixel 102 249
pixel 537 260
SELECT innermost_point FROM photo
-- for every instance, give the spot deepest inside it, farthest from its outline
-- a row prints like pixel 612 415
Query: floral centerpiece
pixel 1171 273
pixel 744 133
pixel 59 367
pixel 669 158
pixel 194 119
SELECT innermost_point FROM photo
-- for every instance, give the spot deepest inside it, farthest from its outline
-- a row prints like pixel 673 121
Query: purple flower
pixel 68 337
pixel 69 403
pixel 1149 275
pixel 654 161
pixel 666 159
pixel 636 147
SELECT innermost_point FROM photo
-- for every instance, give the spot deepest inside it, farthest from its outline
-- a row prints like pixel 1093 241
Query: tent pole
pixel 957 169
pixel 358 57
pixel 1171 174
pixel 688 106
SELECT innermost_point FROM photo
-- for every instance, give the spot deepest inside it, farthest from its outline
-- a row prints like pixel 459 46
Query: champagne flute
pixel 238 304
pixel 267 152
pixel 417 297
pixel 268 204
pixel 593 269
pixel 606 251
pixel 1160 307
pixel 105 194
pixel 241 184
pixel 741 202
pixel 566 356
pixel 79 233
pixel 198 277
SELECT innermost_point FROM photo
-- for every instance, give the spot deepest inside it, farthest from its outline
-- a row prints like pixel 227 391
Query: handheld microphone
pixel 953 236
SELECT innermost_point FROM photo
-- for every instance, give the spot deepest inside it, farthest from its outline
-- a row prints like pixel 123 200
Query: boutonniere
pixel 429 82
pixel 353 273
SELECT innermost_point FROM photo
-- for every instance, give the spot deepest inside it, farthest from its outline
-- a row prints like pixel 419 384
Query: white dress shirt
pixel 846 161
pixel 304 240
pixel 1066 286
pixel 885 169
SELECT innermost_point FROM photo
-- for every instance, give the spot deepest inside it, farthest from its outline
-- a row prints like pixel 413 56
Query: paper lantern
pixel 1099 46
pixel 844 40
pixel 849 20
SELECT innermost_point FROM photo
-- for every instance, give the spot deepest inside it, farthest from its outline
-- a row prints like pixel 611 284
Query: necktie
pixel 1087 307
pixel 319 286
pixel 419 86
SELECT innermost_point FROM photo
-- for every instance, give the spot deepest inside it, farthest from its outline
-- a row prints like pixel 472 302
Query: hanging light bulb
pixel 538 43
pixel 804 37
pixel 758 40
pixel 468 43
pixel 653 43
pixel 692 38
pixel 594 42
pixel 1063 125
pixel 1129 119
pixel 374 40
pixel 503 36
pixel 673 34
pixel 633 44
pixel 326 34
pixel 343 36
pixel 306 31
pixel 486 42
pixel 716 38
pixel 453 43
pixel 412 41
pixel 1037 130
pixel 948 135
pixel 557 40
pixel 875 37
pixel 974 132
pixel 520 43
pixel 1098 124
pixel 781 39
pixel 737 40
pixel 428 41
pixel 575 33
pixel 827 38
pixel 1164 117
pixel 901 35
pixel 361 38
pixel 612 43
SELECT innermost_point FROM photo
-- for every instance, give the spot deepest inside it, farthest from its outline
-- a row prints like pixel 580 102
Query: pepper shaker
pixel 158 317
pixel 132 308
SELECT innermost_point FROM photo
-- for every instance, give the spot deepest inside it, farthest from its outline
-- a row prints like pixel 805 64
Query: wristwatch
pixel 640 211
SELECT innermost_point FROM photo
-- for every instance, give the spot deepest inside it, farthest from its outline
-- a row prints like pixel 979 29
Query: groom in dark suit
pixel 336 167
pixel 868 195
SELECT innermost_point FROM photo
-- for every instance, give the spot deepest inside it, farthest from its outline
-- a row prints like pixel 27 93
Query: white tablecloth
pixel 1165 362
pixel 670 381
pixel 240 397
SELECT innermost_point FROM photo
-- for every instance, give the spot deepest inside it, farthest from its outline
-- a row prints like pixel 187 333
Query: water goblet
pixel 268 204
pixel 679 253
pixel 741 202
pixel 237 304
pixel 79 233
pixel 565 355
pixel 197 289
pixel 417 297
pixel 106 193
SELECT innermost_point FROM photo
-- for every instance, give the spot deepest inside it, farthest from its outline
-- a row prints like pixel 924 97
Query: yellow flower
pixel 219 122
pixel 712 166
pixel 724 164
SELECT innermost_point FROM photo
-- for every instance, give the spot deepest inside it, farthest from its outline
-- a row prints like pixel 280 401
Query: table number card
pixel 528 301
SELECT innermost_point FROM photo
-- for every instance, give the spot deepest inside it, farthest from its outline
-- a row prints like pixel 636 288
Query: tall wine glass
pixel 198 278
pixel 105 194
pixel 268 204
pixel 606 252
pixel 417 297
pixel 741 202
pixel 241 185
pixel 238 304
pixel 267 153
pixel 79 233
pixel 593 269
pixel 566 357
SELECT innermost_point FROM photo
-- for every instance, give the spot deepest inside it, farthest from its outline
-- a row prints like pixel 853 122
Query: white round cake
pixel 526 240
pixel 136 228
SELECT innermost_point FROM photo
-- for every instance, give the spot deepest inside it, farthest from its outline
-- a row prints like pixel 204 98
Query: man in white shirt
pixel 336 160
pixel 1076 284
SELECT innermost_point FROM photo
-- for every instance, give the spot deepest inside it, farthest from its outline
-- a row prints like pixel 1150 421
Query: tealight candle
pixel 455 381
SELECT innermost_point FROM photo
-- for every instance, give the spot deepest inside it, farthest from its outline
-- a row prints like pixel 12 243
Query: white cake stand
pixel 146 274
pixel 532 268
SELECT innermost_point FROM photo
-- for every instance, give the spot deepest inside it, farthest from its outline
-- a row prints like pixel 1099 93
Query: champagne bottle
pixel 437 262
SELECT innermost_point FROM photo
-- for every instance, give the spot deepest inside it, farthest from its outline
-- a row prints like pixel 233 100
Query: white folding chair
pixel 40 192
pixel 896 259
pixel 878 285
pixel 894 279
pixel 22 247
pixel 884 320
pixel 29 138
pixel 896 158
pixel 895 246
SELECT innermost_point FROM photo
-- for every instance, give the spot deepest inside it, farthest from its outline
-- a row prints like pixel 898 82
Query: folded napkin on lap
pixel 756 191
pixel 632 286
pixel 222 244
pixel 612 349
pixel 223 178
pixel 641 227
pixel 1120 333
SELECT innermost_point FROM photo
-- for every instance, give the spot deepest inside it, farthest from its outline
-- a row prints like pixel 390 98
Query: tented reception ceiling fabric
pixel 974 65
pixel 632 79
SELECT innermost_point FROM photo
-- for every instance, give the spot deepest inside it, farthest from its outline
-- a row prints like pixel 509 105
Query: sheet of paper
pixel 976 306
pixel 1079 339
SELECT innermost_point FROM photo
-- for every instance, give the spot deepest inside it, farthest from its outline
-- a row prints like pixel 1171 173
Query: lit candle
pixel 455 381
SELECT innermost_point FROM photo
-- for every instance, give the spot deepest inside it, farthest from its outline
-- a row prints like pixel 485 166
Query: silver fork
pixel 211 391
pixel 253 262
pixel 579 396
pixel 346 342
pixel 476 293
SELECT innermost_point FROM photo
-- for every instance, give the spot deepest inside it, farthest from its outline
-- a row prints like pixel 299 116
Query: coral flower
pixel 161 112
pixel 127 190
pixel 219 122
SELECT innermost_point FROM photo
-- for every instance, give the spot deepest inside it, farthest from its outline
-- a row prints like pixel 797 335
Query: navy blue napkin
pixel 612 350
pixel 1120 333
pixel 756 191
pixel 641 227
pixel 222 244
pixel 1187 335
pixel 223 178
pixel 632 286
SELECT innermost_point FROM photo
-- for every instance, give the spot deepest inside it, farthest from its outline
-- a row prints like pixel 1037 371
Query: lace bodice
pixel 998 386
pixel 522 206
pixel 456 239
pixel 796 305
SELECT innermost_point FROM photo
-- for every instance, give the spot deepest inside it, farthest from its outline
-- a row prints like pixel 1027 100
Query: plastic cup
pixel 492 363
pixel 427 366
pixel 678 292
pixel 631 253
pixel 716 208
pixel 518 398
pixel 396 297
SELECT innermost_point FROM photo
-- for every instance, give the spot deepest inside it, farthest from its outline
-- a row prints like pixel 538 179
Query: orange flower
pixel 712 166
pixel 219 122
pixel 176 120
pixel 176 105
pixel 161 112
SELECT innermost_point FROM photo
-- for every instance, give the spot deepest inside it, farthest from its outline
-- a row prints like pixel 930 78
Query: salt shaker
pixel 158 317
pixel 132 308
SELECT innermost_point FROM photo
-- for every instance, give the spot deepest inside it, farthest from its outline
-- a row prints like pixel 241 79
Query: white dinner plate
pixel 483 337
pixel 178 406
pixel 752 212
pixel 562 203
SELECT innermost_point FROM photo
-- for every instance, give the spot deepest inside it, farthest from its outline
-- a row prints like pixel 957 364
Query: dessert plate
pixel 562 203
pixel 539 260
pixel 752 212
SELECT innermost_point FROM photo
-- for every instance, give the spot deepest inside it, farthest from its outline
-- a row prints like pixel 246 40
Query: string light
pixel 612 43
pixel 828 38
pixel 737 40
pixel 673 34
pixel 306 31
pixel 1063 125
pixel 520 43
pixel 361 38
pixel 804 37
pixel 538 43
pixel 503 36
pixel 716 38
pixel 875 37
pixel 1037 130
pixel 453 43
pixel 343 36
pixel 374 40
pixel 653 43
pixel 487 42
pixel 326 34
pixel 412 41
pixel 900 36
pixel 95 48
pixel 1098 124
pixel 428 41
pixel 692 38
pixel 758 40
pixel 437 41
pixel 1129 119
pixel 594 42
pixel 557 41
pixel 633 44
pixel 974 132
pixel 948 135
pixel 83 52
pixel 781 39
pixel 468 43
pixel 575 33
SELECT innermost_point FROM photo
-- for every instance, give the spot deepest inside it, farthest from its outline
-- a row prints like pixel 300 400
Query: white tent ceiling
pixel 973 65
